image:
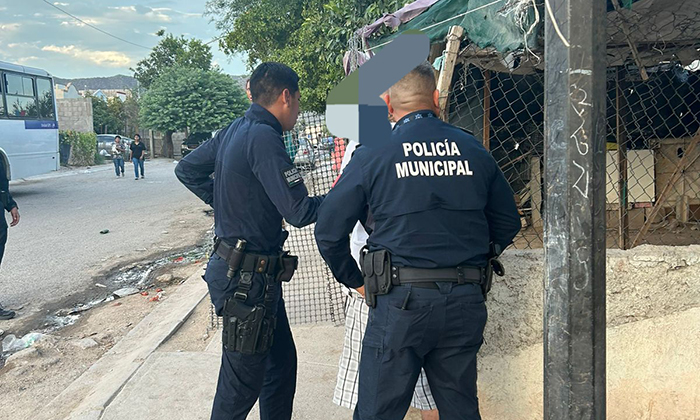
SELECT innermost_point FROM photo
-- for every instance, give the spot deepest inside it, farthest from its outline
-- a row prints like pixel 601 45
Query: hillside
pixel 93 83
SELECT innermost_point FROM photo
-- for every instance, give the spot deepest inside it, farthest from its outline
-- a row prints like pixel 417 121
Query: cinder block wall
pixel 75 114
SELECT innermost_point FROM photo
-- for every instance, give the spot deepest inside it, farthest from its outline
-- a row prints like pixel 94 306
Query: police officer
pixel 9 204
pixel 255 185
pixel 438 200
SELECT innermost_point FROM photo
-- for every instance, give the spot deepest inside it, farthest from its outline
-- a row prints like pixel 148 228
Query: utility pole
pixel 574 210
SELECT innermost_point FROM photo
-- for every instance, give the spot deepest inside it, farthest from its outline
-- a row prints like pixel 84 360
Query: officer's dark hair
pixel 269 80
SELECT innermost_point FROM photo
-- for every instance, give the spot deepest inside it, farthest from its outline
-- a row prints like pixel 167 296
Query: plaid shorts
pixel 356 314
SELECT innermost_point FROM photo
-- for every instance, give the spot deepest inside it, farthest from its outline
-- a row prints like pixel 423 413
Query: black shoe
pixel 141 176
pixel 136 179
pixel 5 314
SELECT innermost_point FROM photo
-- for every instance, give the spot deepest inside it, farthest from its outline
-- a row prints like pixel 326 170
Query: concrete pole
pixel 574 324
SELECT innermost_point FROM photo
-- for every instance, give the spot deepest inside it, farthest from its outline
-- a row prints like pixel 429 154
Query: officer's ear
pixel 436 99
pixel 287 97
pixel 387 99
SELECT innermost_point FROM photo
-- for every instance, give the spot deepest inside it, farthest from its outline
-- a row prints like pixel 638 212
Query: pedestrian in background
pixel 118 150
pixel 11 206
pixel 138 153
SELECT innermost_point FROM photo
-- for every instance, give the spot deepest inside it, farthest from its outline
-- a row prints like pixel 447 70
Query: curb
pixel 90 394
pixel 73 172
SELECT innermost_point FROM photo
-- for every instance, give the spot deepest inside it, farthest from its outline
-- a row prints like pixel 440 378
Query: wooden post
pixel 622 181
pixel 151 143
pixel 448 66
pixel 682 165
pixel 535 187
pixel 487 109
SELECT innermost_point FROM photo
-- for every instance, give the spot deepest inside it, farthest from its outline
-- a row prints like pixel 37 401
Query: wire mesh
pixel 653 122
pixel 313 295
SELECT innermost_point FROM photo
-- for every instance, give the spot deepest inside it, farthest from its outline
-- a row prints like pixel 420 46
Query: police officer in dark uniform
pixel 441 208
pixel 9 204
pixel 254 186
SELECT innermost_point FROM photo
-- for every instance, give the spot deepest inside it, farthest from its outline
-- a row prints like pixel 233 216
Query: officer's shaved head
pixel 269 80
pixel 414 89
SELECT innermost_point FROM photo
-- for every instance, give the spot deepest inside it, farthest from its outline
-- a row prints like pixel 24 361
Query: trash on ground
pixel 144 293
pixel 179 259
pixel 158 290
pixel 125 291
pixel 104 231
pixel 100 285
pixel 12 344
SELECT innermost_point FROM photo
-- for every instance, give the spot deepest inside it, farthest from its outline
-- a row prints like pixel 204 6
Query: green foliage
pixel 194 99
pixel 172 51
pixel 99 159
pixel 83 146
pixel 311 36
pixel 114 116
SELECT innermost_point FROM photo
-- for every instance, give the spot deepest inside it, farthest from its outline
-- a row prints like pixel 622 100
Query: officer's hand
pixel 361 290
pixel 15 216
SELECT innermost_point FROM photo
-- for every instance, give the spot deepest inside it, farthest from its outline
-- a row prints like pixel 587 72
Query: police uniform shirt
pixel 255 183
pixel 436 195
pixel 6 200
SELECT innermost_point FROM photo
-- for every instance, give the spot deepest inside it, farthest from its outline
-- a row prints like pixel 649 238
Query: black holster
pixel 248 330
pixel 376 270
pixel 493 266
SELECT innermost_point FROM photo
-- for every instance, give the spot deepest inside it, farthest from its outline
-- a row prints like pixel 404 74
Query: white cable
pixel 555 24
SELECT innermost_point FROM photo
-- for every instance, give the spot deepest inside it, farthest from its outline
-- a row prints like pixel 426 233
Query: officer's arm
pixel 5 197
pixel 195 169
pixel 339 213
pixel 501 211
pixel 281 180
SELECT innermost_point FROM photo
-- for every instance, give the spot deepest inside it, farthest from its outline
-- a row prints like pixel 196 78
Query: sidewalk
pixel 135 381
pixel 64 171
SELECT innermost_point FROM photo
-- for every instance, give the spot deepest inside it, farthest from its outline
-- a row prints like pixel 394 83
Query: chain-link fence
pixel 313 295
pixel 653 114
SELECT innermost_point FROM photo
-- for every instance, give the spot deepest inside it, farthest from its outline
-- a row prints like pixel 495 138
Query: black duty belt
pixel 427 277
pixel 251 263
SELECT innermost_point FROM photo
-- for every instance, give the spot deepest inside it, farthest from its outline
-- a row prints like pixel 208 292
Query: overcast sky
pixel 35 34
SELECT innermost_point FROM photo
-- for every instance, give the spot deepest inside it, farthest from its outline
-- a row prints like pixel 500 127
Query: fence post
pixel 448 66
pixel 487 109
pixel 574 234
pixel 622 181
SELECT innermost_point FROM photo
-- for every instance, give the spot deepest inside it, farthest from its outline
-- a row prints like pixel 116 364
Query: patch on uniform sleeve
pixel 292 176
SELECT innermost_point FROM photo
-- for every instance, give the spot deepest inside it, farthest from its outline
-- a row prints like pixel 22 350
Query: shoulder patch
pixel 292 177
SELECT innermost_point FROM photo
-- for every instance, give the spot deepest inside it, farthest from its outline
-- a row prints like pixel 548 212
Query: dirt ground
pixel 54 361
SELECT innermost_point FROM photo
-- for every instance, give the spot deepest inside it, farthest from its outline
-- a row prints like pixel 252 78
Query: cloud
pixel 27 60
pixel 101 58
pixel 58 3
pixel 9 27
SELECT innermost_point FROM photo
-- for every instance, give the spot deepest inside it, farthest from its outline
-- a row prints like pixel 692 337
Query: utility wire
pixel 95 27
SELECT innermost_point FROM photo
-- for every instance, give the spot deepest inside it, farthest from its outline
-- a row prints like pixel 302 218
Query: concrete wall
pixel 75 114
pixel 653 350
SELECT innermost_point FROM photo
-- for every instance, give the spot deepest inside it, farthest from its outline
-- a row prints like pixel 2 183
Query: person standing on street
pixel 9 204
pixel 255 186
pixel 118 150
pixel 441 211
pixel 138 154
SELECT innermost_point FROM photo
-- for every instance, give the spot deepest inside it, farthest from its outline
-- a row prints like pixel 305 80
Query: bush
pixel 99 159
pixel 83 146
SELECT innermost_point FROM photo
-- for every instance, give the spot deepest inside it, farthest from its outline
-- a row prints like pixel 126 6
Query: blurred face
pixel 117 140
pixel 137 138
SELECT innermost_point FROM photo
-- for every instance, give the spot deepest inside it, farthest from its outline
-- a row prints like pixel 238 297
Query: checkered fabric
pixel 356 314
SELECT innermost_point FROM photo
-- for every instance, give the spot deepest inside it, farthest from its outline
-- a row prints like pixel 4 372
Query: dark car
pixel 193 141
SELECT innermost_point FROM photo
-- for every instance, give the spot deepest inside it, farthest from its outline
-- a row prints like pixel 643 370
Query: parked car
pixel 306 154
pixel 193 141
pixel 105 142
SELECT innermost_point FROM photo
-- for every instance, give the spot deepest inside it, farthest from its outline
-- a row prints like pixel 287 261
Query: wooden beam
pixel 536 190
pixel 487 109
pixel 622 181
pixel 632 45
pixel 682 166
pixel 448 66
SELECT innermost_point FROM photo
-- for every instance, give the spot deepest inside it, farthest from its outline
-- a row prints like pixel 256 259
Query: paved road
pixel 57 248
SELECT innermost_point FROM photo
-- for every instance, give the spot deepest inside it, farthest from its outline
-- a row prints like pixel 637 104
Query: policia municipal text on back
pixel 438 202
pixel 255 185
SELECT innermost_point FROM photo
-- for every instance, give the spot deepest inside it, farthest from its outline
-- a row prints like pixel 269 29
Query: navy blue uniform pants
pixel 243 378
pixel 440 330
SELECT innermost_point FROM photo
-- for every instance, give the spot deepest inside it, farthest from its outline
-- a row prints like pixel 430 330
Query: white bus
pixel 28 123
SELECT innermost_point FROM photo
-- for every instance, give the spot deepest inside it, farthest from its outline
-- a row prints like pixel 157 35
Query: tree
pixel 172 51
pixel 311 36
pixel 101 119
pixel 196 100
